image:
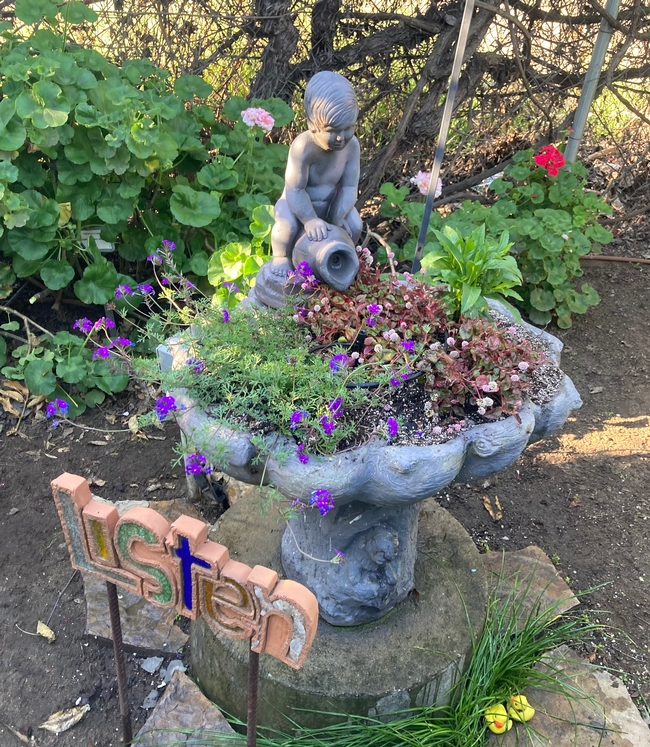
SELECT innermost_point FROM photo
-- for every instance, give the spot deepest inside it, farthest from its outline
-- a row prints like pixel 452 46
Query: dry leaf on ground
pixel 61 721
pixel 46 632
pixel 495 512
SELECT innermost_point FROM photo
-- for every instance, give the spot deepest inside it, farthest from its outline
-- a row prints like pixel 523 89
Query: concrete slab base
pixel 410 657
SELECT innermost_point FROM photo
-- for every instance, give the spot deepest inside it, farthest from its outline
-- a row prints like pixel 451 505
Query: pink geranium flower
pixel 421 181
pixel 256 116
pixel 550 158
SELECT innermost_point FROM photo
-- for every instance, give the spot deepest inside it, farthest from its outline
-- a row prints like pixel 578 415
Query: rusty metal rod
pixel 120 664
pixel 253 680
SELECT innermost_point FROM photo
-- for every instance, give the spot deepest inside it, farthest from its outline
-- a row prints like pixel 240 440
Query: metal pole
pixel 591 82
pixel 120 665
pixel 444 130
pixel 253 679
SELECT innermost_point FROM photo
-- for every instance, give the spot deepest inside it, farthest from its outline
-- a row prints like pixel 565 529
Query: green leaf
pixel 193 208
pixel 590 293
pixel 72 370
pixel 233 108
pixel 56 274
pixel 78 12
pixel 7 276
pixel 98 283
pixel 217 177
pixel 199 263
pixel 189 86
pixel 542 300
pixel 39 378
pixel 114 209
pixel 12 135
pixel 22 242
pixel 263 221
pixel 32 11
pixel 541 318
pixel 471 295
pixel 3 351
pixel 8 172
pixel 7 111
pixel 25 267
pixel 519 172
pixel 94 397
pixel 281 112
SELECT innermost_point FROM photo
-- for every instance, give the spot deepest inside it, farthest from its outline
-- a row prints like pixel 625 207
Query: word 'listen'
pixel 177 566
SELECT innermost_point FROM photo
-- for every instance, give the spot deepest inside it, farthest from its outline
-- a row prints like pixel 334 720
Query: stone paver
pixel 183 716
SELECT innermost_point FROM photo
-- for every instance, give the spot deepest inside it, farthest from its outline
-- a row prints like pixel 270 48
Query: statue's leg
pixel 356 224
pixel 285 230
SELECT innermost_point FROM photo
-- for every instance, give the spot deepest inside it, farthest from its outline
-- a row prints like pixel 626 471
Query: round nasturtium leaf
pixel 72 370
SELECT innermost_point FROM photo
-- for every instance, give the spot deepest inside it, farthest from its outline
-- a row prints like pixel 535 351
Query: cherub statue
pixel 321 180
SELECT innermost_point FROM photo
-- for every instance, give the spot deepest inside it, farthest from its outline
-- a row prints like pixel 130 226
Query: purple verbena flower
pixel 337 362
pixel 195 464
pixel 123 290
pixel 146 289
pixel 196 364
pixel 327 425
pixel 323 500
pixel 122 342
pixel 83 325
pixel 226 315
pixel 392 427
pixel 395 382
pixel 335 407
pixel 168 245
pixel 371 322
pixel 155 259
pixel 232 286
pixel 408 345
pixel 165 405
pixel 102 352
pixel 56 407
pixel 304 270
pixel 296 418
pixel 165 281
pixel 302 457
pixel 373 308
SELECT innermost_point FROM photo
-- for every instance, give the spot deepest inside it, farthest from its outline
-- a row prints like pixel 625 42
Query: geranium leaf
pixel 39 378
pixel 194 208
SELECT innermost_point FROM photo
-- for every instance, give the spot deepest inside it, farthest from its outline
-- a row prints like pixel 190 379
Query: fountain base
pixel 410 657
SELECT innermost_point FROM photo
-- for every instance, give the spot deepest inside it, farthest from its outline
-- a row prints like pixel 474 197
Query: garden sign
pixel 177 566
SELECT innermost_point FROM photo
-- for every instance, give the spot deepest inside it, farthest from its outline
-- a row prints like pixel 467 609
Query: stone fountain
pixel 399 616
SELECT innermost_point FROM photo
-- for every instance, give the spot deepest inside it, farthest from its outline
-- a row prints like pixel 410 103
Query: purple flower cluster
pixel 123 290
pixel 304 275
pixel 327 425
pixel 323 500
pixel 392 428
pixel 104 351
pixel 146 289
pixel 302 457
pixel 168 245
pixel 196 364
pixel 335 408
pixel 338 362
pixel 296 417
pixel 165 405
pixel 231 286
pixel 58 407
pixel 83 325
pixel 226 315
pixel 195 464
pixel 154 258
pixel 408 345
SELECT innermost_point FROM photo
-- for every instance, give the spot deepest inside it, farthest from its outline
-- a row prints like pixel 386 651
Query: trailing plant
pixel 551 218
pixel 66 367
pixel 86 144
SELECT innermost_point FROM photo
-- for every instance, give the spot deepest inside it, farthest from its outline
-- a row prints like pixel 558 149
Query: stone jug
pixel 333 260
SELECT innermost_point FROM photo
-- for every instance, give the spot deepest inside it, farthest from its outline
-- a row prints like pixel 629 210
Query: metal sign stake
pixel 253 680
pixel 120 664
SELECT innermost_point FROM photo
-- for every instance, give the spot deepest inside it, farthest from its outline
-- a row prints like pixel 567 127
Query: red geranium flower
pixel 550 158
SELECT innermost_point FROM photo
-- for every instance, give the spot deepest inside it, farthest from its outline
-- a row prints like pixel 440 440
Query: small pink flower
pixel 354 355
pixel 523 366
pixel 391 255
pixel 451 341
pixel 565 236
pixel 481 410
pixel 464 344
pixel 317 308
pixel 256 116
pixel 514 378
pixel 409 305
pixel 403 325
pixel 512 330
pixel 434 346
pixel 422 180
pixel 491 386
pixel 436 430
pixel 378 348
pixel 454 354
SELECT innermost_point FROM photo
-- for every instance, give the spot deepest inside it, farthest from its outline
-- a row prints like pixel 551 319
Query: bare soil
pixel 581 495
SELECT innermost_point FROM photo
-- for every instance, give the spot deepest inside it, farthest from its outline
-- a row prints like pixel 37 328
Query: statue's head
pixel 330 101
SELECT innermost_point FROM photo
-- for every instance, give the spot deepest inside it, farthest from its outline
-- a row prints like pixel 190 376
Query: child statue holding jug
pixel 315 218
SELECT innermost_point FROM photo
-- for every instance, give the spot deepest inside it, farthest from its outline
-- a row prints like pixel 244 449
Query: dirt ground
pixel 581 495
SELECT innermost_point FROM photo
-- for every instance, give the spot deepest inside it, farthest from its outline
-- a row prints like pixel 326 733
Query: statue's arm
pixel 348 186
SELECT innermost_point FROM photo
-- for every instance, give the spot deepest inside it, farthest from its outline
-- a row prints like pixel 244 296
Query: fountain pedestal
pixel 412 656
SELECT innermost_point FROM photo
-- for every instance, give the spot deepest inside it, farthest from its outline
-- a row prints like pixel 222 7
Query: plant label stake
pixel 176 566
pixel 444 130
